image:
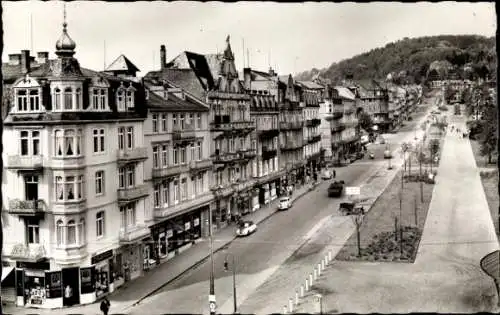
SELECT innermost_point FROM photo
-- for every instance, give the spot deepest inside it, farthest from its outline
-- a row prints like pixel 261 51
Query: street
pixel 261 254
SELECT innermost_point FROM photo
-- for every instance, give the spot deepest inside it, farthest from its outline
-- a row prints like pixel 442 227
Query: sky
pixel 290 37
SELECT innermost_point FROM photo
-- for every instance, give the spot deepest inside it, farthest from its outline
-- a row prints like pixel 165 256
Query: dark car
pixel 336 189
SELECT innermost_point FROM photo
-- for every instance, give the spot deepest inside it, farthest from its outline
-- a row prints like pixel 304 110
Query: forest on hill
pixel 409 59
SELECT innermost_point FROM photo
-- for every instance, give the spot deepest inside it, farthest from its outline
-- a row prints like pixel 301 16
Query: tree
pixel 488 138
pixel 433 148
pixel 365 120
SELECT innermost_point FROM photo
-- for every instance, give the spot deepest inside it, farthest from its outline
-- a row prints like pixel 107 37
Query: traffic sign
pixel 491 264
pixel 355 190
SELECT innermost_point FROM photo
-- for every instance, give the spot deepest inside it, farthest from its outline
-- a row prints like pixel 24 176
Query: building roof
pixel 122 63
pixel 310 85
pixel 345 93
pixel 185 79
pixel 174 103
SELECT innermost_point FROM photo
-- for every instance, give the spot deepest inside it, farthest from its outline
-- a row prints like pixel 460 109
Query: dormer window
pixel 125 98
pixel 130 97
pixel 99 99
pixel 68 98
pixel 27 95
pixel 120 100
pixel 57 99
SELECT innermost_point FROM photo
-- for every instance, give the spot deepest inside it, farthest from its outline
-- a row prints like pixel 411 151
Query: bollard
pixel 326 260
pixel 302 290
pixel 319 270
pixel 284 309
pixel 323 264
pixel 296 297
pixel 330 255
pixel 310 279
pixel 290 305
pixel 307 285
pixel 315 274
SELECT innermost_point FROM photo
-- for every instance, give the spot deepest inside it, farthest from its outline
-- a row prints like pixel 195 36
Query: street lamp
pixel 211 297
pixel 226 268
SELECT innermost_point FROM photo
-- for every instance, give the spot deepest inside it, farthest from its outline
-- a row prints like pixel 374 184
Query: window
pixel 33 231
pixel 22 100
pixel 34 100
pixel 121 138
pixel 102 99
pixel 78 99
pixel 184 189
pixel 181 121
pixel 98 140
pixel 120 100
pixel 95 99
pixel 69 188
pixel 130 137
pixel 99 224
pixel 59 232
pixel 156 196
pixel 155 122
pixel 165 193
pixel 127 215
pixel 200 183
pixel 81 231
pixel 198 121
pixel 68 98
pixel 71 236
pixel 194 185
pixel 176 192
pixel 231 145
pixel 176 155
pixel 183 155
pixel 126 176
pixel 31 187
pixel 99 182
pixel 199 149
pixel 24 143
pixel 163 122
pixel 130 97
pixel 164 156
pixel 156 157
pixel 174 120
pixel 192 152
pixel 99 99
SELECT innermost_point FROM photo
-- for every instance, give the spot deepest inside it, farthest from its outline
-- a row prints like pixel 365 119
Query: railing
pixel 183 205
pixel 28 207
pixel 226 157
pixel 337 126
pixel 291 145
pixel 132 234
pixel 132 193
pixel 235 125
pixel 268 133
pixel 313 122
pixel 193 165
pixel 25 162
pixel 313 139
pixel 31 252
pixel 127 155
pixel 248 153
pixel 170 170
pixel 269 154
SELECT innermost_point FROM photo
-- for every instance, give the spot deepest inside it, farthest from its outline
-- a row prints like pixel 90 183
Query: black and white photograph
pixel 249 157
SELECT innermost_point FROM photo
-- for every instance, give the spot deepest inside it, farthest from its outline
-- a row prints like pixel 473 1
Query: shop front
pixel 264 194
pixel 103 272
pixel 30 285
pixel 273 191
pixel 254 195
pixel 132 260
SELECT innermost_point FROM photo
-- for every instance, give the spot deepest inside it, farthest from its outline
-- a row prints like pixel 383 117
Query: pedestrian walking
pixel 105 304
pixel 334 174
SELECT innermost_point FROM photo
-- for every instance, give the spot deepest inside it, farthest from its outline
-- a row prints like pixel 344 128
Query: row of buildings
pixel 106 175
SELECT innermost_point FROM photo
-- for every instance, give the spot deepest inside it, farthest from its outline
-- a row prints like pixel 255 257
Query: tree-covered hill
pixel 410 58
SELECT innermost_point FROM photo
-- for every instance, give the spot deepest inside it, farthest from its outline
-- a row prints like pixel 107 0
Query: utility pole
pixel 226 268
pixel 211 297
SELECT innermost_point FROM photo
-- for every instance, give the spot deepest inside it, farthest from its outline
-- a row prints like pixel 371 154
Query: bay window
pixel 68 98
pixel 69 188
pixel 164 155
pixel 126 176
pixel 156 196
pixel 130 137
pixel 184 188
pixel 34 100
pixel 183 155
pixel 70 233
pixel 99 98
pixel 127 216
pixel 68 142
pixel 60 232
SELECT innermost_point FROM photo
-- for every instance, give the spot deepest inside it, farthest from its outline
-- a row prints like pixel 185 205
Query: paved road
pixel 260 255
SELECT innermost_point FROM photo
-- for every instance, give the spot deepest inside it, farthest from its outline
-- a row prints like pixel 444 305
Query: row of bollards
pixel 308 284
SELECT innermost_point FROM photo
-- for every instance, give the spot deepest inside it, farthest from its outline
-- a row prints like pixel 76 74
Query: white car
pixel 327 174
pixel 246 228
pixel 285 203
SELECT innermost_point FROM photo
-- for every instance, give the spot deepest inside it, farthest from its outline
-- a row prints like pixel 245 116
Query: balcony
pixel 222 191
pixel 126 195
pixel 268 153
pixel 291 145
pixel 27 207
pixel 60 162
pixel 232 157
pixel 28 253
pixel 198 201
pixel 248 153
pixel 242 185
pixel 291 125
pixel 313 139
pixel 170 170
pixel 313 122
pixel 70 254
pixel 268 133
pixel 233 126
pixel 133 234
pixel 131 155
pixel 27 163
pixel 337 127
pixel 200 165
pixel 183 134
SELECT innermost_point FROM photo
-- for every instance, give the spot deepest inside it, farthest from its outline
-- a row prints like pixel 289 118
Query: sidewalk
pixel 446 276
pixel 154 280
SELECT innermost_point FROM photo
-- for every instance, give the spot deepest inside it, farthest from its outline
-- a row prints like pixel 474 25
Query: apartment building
pixel 291 129
pixel 344 124
pixel 311 96
pixel 212 79
pixel 264 111
pixel 374 100
pixel 74 194
pixel 178 172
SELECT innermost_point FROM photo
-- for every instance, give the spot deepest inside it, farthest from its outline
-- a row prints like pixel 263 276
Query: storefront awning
pixel 6 271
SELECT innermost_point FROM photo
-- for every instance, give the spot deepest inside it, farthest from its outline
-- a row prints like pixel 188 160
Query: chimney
pixel 25 61
pixel 271 72
pixel 163 57
pixel 43 57
pixel 14 59
pixel 247 78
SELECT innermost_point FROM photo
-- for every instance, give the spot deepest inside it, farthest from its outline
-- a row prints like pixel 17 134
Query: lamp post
pixel 211 298
pixel 233 267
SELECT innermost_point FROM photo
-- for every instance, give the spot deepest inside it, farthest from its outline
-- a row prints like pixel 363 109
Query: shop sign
pixel 87 281
pixel 102 256
pixel 170 233
pixel 187 226
pixel 196 222
pixel 35 273
pixel 53 284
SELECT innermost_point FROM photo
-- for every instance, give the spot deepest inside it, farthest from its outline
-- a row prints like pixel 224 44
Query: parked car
pixel 387 154
pixel 360 155
pixel 246 228
pixel 326 174
pixel 285 203
pixel 336 189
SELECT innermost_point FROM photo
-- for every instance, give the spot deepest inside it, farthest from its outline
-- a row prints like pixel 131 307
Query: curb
pixel 202 260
